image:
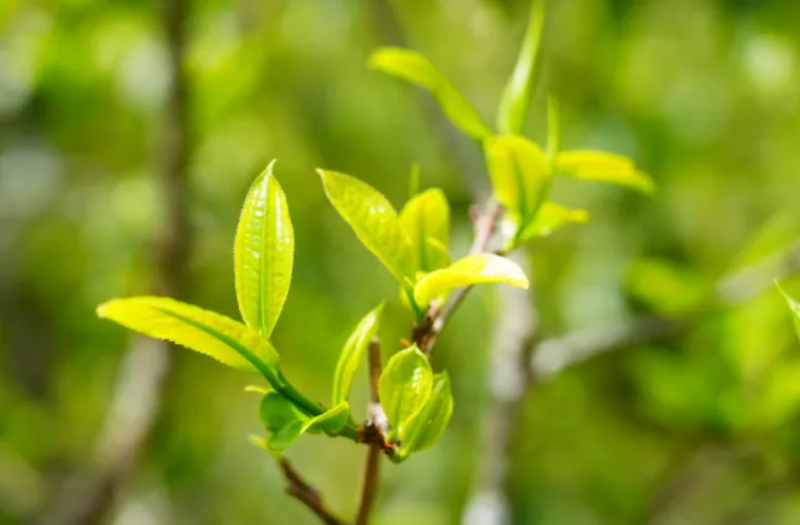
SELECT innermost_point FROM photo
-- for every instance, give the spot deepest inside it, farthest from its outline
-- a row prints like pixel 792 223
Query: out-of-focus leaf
pixel 426 220
pixel 517 95
pixel 405 386
pixel 330 422
pixel 416 69
pixel 602 166
pixel 473 269
pixel 780 397
pixel 666 287
pixel 209 333
pixel 520 175
pixel 263 254
pixel 353 353
pixel 794 307
pixel 425 429
pixel 552 216
pixel 374 221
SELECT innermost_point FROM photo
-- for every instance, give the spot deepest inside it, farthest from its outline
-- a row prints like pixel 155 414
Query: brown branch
pixel 377 419
pixel 298 488
pixel 139 390
pixel 552 356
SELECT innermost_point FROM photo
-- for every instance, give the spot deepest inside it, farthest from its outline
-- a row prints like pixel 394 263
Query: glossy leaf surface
pixel 416 69
pixel 263 254
pixel 353 354
pixel 405 386
pixel 602 166
pixel 473 269
pixel 209 333
pixel 426 220
pixel 426 429
pixel 374 222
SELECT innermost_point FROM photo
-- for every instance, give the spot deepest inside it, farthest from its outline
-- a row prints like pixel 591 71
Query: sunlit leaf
pixel 209 333
pixel 374 221
pixel 794 307
pixel 520 175
pixel 330 422
pixel 602 166
pixel 473 269
pixel 426 220
pixel 550 217
pixel 519 90
pixel 426 429
pixel 263 254
pixel 416 69
pixel 353 353
pixel 405 386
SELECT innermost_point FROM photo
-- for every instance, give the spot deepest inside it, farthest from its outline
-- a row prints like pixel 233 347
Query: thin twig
pixel 298 488
pixel 377 418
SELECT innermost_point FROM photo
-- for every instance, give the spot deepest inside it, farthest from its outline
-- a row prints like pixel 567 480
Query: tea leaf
pixel 552 216
pixel 353 353
pixel 426 429
pixel 281 437
pixel 602 166
pixel 405 386
pixel 426 220
pixel 794 307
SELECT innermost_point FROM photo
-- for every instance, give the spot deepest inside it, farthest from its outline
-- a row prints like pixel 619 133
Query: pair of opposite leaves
pixel 264 251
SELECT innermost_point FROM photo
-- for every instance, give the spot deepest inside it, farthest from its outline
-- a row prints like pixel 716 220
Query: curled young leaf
pixel 281 437
pixel 473 269
pixel 405 386
pixel 520 174
pixel 794 307
pixel 426 429
pixel 426 220
pixel 277 412
pixel 519 90
pixel 228 341
pixel 416 69
pixel 551 217
pixel 263 254
pixel 602 166
pixel 353 353
pixel 374 222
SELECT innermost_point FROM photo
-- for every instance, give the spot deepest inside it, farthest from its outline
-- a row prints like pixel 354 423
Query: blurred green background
pixel 697 428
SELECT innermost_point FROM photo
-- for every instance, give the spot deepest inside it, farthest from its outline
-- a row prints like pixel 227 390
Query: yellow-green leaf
pixel 552 216
pixel 521 175
pixel 405 386
pixel 209 333
pixel 263 254
pixel 277 412
pixel 794 307
pixel 473 269
pixel 374 221
pixel 519 90
pixel 330 422
pixel 602 166
pixel 425 429
pixel 426 220
pixel 416 69
pixel 353 353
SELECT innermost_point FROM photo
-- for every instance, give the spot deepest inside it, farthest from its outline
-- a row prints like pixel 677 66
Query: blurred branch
pixel 139 391
pixel 552 356
pixel 298 488
pixel 377 418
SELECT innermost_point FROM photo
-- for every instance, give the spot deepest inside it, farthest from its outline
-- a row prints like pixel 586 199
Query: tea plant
pixel 411 404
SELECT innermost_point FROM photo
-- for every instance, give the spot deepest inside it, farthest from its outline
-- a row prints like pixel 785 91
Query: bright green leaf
pixel 209 333
pixel 353 353
pixel 425 429
pixel 794 307
pixel 521 176
pixel 518 92
pixel 263 254
pixel 552 216
pixel 473 269
pixel 330 422
pixel 277 412
pixel 426 220
pixel 602 166
pixel 416 69
pixel 374 221
pixel 405 386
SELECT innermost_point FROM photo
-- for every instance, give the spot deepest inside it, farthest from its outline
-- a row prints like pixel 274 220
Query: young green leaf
pixel 405 386
pixel 794 307
pixel 374 221
pixel 277 412
pixel 424 431
pixel 473 269
pixel 519 90
pixel 426 220
pixel 416 69
pixel 353 353
pixel 602 166
pixel 330 422
pixel 209 333
pixel 551 217
pixel 263 254
pixel 521 175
